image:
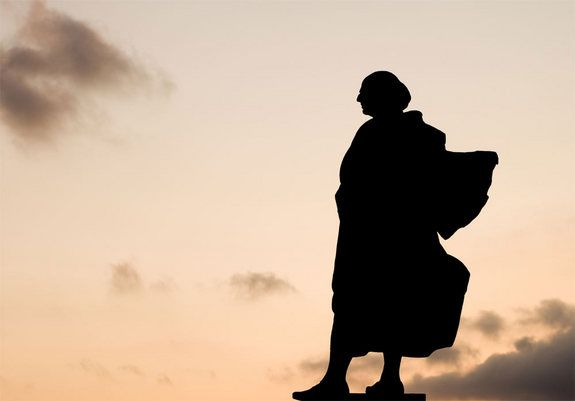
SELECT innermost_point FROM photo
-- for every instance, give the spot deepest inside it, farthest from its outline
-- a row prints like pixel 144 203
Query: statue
pixel 395 289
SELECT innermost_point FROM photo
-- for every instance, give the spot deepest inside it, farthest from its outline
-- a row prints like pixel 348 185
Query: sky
pixel 167 181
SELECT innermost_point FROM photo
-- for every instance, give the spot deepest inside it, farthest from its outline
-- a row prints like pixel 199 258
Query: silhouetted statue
pixel 395 289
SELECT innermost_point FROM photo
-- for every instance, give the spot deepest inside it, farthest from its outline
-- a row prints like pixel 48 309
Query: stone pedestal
pixel 410 397
pixel 363 397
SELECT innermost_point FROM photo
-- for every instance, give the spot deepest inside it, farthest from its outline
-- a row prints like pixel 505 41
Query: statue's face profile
pixel 375 98
pixel 368 100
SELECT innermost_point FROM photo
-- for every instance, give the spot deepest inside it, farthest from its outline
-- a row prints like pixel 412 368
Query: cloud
pixel 536 370
pixel 165 380
pixel 372 362
pixel 125 279
pixel 362 370
pixel 257 285
pixel 451 356
pixel 164 286
pixel 489 323
pixel 553 313
pixel 94 369
pixel 55 63
pixel 313 365
pixel 283 375
pixel 132 369
pixel 369 363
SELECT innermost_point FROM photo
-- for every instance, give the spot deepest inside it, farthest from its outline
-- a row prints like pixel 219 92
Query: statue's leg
pixel 390 385
pixel 392 362
pixel 339 360
pixel 333 385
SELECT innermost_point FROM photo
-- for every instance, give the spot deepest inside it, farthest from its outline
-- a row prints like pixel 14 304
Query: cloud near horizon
pixel 252 286
pixel 56 62
pixel 535 370
pixel 370 364
pixel 452 356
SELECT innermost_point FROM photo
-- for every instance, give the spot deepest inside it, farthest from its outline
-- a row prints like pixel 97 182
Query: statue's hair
pixel 394 92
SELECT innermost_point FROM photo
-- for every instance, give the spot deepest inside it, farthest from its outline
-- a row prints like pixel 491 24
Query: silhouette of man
pixel 395 290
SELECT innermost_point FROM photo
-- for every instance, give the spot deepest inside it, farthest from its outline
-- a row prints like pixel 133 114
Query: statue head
pixel 381 93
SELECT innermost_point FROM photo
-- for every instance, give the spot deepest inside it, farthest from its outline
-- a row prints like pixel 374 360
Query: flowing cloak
pixel 394 286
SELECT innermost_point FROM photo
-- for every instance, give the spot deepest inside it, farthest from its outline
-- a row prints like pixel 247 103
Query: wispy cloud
pixel 132 369
pixel 164 285
pixel 253 286
pixel 282 375
pixel 368 365
pixel 165 380
pixel 489 323
pixel 95 369
pixel 55 62
pixel 125 279
pixel 552 313
pixel 313 365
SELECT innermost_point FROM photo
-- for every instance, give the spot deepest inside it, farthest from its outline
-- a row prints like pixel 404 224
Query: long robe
pixel 395 288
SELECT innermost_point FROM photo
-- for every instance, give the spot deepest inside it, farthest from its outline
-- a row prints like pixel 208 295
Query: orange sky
pixel 201 141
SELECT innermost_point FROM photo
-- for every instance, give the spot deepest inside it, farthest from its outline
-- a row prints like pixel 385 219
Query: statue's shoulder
pixel 367 126
pixel 425 132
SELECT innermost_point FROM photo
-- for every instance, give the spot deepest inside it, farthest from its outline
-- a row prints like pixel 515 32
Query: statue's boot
pixel 324 391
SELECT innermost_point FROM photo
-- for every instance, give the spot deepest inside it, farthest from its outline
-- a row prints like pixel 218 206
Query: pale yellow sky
pixel 234 170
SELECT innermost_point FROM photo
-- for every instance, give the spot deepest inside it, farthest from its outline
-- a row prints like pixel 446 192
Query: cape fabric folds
pixel 394 286
pixel 464 181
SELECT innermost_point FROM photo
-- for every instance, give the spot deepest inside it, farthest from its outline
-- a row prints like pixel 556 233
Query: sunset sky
pixel 167 181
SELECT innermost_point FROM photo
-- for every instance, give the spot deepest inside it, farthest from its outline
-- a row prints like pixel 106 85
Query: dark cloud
pixel 536 370
pixel 54 63
pixel 489 324
pixel 453 356
pixel 125 279
pixel 132 369
pixel 256 285
pixel 553 313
